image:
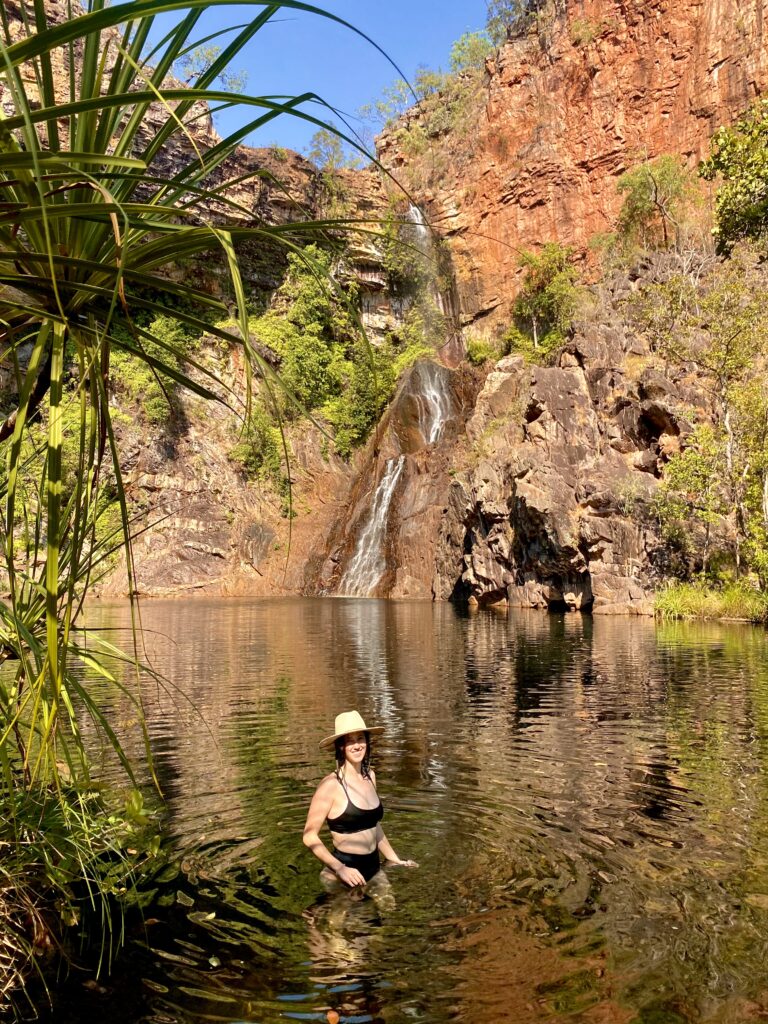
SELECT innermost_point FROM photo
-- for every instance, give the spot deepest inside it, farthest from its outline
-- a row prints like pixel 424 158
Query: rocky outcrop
pixel 616 82
pixel 560 465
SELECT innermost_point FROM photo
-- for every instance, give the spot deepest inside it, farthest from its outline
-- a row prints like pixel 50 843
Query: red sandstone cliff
pixel 618 82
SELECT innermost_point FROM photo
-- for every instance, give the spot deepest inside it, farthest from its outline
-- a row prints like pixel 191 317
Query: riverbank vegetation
pixel 708 599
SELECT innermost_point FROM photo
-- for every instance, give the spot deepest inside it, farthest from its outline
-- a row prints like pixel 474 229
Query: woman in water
pixel 348 801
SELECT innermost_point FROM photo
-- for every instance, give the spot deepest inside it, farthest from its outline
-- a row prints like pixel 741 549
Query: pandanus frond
pixel 91 223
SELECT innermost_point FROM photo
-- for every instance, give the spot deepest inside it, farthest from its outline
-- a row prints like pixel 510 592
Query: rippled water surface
pixel 587 800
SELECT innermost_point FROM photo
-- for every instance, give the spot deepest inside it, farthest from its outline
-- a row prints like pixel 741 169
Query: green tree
pixel 739 159
pixel 197 62
pixel 720 330
pixel 470 51
pixel 329 153
pixel 692 490
pixel 655 195
pixel 507 19
pixel 546 304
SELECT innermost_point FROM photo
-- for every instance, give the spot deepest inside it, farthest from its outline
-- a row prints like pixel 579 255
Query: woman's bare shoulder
pixel 329 782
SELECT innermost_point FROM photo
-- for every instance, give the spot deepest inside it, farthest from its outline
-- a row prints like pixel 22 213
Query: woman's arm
pixel 385 849
pixel 319 810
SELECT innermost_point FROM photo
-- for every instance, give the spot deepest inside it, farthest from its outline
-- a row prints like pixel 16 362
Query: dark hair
pixel 338 748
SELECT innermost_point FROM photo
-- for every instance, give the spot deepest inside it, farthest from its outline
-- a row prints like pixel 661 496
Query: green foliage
pixel 259 451
pixel 508 19
pixel 470 52
pixel 151 390
pixel 739 159
pixel 406 265
pixel 703 599
pixel 691 491
pixel 725 329
pixel 369 377
pixel 544 309
pixel 480 350
pixel 655 196
pixel 447 102
pixel 198 61
pixel 661 309
pixel 328 152
pixel 76 848
pixel 94 233
pixel 720 329
pixel 324 361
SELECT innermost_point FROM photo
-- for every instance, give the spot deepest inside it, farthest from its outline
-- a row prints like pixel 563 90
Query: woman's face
pixel 355 747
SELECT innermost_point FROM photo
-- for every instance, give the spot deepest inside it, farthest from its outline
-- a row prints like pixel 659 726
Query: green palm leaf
pixel 90 227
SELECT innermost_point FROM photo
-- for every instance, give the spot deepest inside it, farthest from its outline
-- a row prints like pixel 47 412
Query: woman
pixel 348 801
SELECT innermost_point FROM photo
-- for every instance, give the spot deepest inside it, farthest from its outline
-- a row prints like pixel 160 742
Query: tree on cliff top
pixel 508 19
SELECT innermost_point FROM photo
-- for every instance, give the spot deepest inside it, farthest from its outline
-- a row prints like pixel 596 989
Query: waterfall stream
pixel 421 238
pixel 428 387
pixel 368 563
pixel 433 401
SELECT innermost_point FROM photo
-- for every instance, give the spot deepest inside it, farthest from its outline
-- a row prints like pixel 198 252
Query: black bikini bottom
pixel 368 864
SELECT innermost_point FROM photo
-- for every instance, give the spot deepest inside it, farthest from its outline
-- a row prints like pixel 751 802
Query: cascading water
pixel 368 563
pixel 420 230
pixel 418 419
pixel 428 388
pixel 433 400
pixel 421 238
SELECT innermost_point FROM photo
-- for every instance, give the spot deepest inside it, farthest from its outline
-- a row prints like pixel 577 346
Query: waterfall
pixel 432 400
pixel 421 237
pixel 368 563
pixel 420 230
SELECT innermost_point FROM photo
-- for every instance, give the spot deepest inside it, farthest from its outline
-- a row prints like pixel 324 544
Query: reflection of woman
pixel 347 800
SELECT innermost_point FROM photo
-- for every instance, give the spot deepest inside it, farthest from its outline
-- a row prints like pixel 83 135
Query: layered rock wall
pixel 614 83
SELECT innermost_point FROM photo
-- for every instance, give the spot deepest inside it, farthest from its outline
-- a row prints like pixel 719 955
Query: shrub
pixel 260 449
pixel 656 195
pixel 739 157
pixel 544 309
pixel 480 350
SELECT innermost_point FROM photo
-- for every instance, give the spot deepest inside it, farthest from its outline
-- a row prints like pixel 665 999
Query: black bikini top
pixel 354 818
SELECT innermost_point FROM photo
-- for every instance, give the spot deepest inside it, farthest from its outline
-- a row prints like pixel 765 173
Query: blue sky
pixel 299 52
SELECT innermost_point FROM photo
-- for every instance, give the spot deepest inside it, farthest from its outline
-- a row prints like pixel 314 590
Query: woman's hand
pixel 350 876
pixel 404 863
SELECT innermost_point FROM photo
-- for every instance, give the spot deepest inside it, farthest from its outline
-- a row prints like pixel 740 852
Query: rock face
pixel 561 463
pixel 529 485
pixel 616 82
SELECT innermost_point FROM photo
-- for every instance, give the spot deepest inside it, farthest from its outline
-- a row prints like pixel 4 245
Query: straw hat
pixel 346 722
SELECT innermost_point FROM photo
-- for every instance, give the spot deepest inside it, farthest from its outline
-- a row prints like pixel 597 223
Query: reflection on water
pixel 588 801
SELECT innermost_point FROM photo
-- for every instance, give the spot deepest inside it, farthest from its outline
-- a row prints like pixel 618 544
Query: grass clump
pixel 704 599
pixel 480 350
